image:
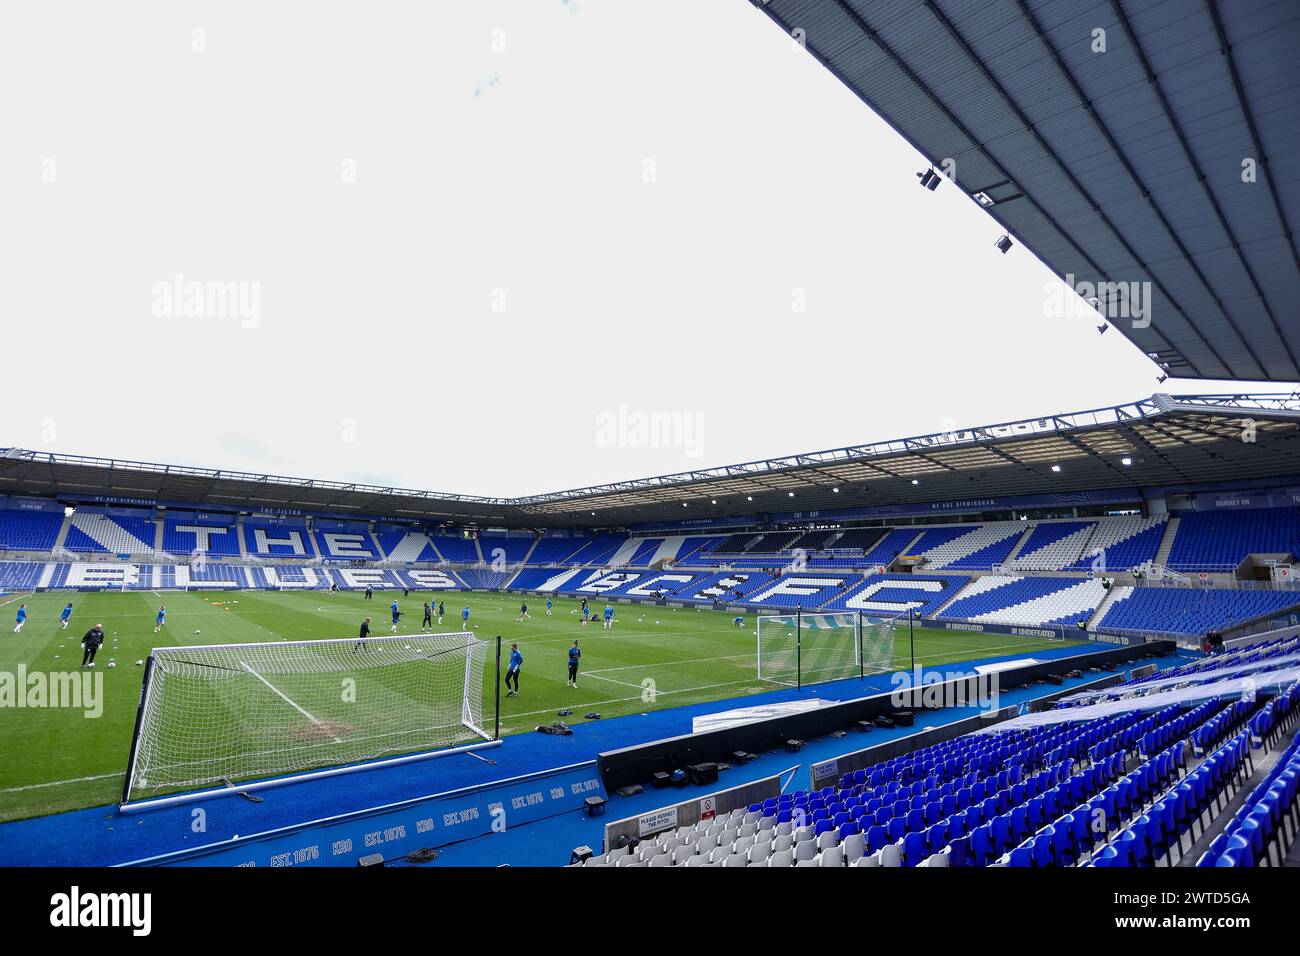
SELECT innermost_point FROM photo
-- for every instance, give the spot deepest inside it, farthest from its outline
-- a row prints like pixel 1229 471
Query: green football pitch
pixel 54 759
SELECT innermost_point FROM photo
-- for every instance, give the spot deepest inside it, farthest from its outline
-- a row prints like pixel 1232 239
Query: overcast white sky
pixel 475 228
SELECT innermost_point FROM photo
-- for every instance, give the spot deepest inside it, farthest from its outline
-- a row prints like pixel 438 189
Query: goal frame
pixel 860 620
pixel 127 805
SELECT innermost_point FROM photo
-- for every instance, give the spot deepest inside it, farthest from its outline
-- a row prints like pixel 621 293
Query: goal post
pixel 807 648
pixel 251 716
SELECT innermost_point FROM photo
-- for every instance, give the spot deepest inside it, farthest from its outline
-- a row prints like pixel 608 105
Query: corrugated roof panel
pixel 1006 89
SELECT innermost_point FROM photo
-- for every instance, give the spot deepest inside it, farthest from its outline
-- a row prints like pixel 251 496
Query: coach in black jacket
pixel 91 642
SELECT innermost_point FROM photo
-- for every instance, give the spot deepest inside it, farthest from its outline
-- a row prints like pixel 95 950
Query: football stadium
pixel 1064 639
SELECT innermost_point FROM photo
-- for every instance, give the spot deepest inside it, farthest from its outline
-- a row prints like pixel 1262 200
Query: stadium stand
pixel 483 579
pixel 1191 611
pixel 554 549
pixel 91 532
pixel 22 530
pixel 185 536
pixel 402 544
pixel 352 544
pixel 1027 601
pixel 598 549
pixel 1053 545
pixel 890 594
pixel 806 591
pixel 456 550
pixel 273 540
pixel 1153 778
pixel 19 575
pixel 511 548
pixel 1220 541
pixel 1122 542
pixel 725 587
pixel 860 539
pixel 886 549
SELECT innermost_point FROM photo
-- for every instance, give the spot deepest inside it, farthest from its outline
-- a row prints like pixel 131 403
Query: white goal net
pixel 238 712
pixel 805 648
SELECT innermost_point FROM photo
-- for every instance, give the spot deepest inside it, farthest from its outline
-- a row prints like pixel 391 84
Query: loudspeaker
pixel 702 773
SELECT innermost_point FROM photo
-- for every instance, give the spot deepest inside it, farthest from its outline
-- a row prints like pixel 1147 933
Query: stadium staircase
pixel 1053 545
pixel 527 556
pixel 625 552
pixel 61 541
pixel 668 549
pixel 1015 552
pixel 1111 596
pixel 1268 767
pixel 1161 558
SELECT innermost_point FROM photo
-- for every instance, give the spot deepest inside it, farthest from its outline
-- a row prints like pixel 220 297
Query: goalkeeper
pixel 512 671
pixel 92 642
pixel 361 644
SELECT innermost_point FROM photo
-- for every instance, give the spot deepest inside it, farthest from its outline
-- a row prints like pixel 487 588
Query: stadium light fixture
pixel 1126 461
pixel 790 494
pixel 1162 379
pixel 1056 468
pixel 1004 243
pixel 749 497
pixel 929 179
pixel 1101 329
pixel 916 481
pixel 835 491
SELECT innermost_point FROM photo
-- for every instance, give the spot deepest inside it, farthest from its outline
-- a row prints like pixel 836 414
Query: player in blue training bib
pixel 609 617
pixel 160 620
pixel 65 616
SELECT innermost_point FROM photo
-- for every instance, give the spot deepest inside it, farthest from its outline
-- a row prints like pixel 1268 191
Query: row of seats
pixel 29 530
pixel 1220 540
pixel 1205 541
pixel 1191 611
pixel 1265 826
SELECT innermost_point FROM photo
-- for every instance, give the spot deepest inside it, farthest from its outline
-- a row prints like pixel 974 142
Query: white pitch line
pixel 610 679
pixel 59 783
pixel 693 660
pixel 288 701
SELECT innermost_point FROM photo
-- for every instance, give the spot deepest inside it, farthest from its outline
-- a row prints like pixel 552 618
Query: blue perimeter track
pixel 101 836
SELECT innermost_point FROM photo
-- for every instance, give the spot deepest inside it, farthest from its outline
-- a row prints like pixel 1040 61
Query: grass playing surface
pixel 54 759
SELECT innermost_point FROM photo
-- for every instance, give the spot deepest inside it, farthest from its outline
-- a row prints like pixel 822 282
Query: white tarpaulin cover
pixel 1266 682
